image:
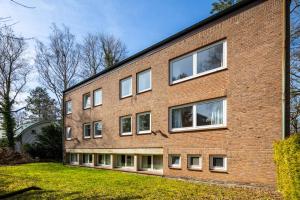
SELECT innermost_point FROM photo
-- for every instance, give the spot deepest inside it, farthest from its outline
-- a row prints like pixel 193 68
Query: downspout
pixel 63 129
pixel 286 70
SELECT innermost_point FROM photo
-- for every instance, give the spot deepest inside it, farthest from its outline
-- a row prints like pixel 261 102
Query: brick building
pixel 206 103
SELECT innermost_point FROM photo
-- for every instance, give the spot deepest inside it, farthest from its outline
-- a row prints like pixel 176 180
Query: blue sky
pixel 138 23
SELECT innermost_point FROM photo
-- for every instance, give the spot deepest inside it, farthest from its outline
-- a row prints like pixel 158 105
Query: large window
pixel 125 123
pixel 68 133
pixel 68 107
pixel 126 87
pixel 218 162
pixel 151 162
pixel 86 101
pixel 144 123
pixel 97 97
pixel 144 81
pixel 87 159
pixel 206 60
pixel 87 130
pixel 97 129
pixel 73 158
pixel 104 160
pixel 201 115
pixel 125 161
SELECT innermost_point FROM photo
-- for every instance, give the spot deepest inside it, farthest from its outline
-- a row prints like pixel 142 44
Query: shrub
pixel 287 159
pixel 3 143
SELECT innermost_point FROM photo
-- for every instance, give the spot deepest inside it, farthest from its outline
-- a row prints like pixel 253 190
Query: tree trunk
pixel 8 122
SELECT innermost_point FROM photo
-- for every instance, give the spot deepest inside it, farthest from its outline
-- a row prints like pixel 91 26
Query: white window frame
pixel 121 128
pixel 88 163
pixel 100 103
pixel 84 130
pixel 138 128
pixel 170 161
pixel 215 168
pixel 94 130
pixel 137 80
pixel 105 164
pixel 194 54
pixel 74 163
pixel 88 106
pixel 195 127
pixel 128 95
pixel 125 161
pixel 194 167
pixel 152 164
pixel 68 128
pixel 68 104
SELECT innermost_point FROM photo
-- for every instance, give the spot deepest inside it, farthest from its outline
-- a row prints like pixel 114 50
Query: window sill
pixel 179 130
pixel 198 75
pixel 87 108
pixel 218 171
pixel 68 139
pixel 143 133
pixel 144 91
pixel 125 97
pixel 97 105
pixel 195 169
pixel 86 137
pixel 125 134
pixel 100 136
pixel 68 113
pixel 178 168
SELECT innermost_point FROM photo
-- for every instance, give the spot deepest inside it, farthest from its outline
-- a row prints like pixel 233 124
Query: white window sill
pixel 98 105
pixel 198 128
pixel 146 90
pixel 87 137
pixel 129 95
pixel 68 139
pixel 198 75
pixel 143 132
pixel 174 167
pixel 218 170
pixel 195 168
pixel 125 134
pixel 69 113
pixel 97 136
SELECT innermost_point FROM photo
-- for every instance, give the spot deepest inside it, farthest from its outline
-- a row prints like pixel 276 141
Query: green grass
pixel 65 182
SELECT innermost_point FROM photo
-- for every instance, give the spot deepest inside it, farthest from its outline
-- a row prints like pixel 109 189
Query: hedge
pixel 287 159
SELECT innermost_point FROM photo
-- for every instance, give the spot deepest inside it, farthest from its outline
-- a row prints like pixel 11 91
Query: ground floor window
pixel 73 158
pixel 125 161
pixel 87 158
pixel 104 159
pixel 218 162
pixel 194 162
pixel 151 162
pixel 174 161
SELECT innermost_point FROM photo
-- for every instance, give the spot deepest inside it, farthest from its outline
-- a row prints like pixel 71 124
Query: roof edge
pixel 177 35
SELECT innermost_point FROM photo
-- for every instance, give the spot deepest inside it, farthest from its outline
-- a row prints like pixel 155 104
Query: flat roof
pixel 177 35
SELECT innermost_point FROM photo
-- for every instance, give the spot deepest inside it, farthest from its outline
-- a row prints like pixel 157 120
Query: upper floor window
pixel 68 133
pixel 87 130
pixel 203 61
pixel 97 97
pixel 125 123
pixel 201 115
pixel 126 87
pixel 68 107
pixel 97 129
pixel 86 101
pixel 144 81
pixel 144 123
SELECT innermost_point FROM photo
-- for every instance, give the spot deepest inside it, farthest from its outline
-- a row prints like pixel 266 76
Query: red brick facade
pixel 251 84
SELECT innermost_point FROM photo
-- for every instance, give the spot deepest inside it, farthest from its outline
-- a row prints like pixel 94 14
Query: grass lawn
pixel 65 182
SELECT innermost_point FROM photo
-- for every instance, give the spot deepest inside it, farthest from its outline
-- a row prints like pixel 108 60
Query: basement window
pixel 218 163
pixel 104 159
pixel 87 159
pixel 195 162
pixel 174 161
pixel 125 161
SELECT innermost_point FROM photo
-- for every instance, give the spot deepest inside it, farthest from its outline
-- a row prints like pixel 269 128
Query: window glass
pixel 194 161
pixel 97 97
pixel 182 117
pixel 146 162
pixel 121 160
pixel 86 101
pixel 144 122
pixel 182 68
pixel 218 161
pixel 126 125
pixel 87 130
pixel 107 159
pixel 144 81
pixel 157 162
pixel 87 158
pixel 68 107
pixel 126 87
pixel 209 59
pixel 174 161
pixel 74 157
pixel 98 129
pixel 210 113
pixel 68 133
pixel 129 161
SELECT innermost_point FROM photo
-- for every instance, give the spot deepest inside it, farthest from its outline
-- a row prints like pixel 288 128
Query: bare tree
pixel 57 62
pixel 13 77
pixel 101 51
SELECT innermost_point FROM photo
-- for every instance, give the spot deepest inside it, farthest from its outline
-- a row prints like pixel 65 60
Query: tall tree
pixel 101 51
pixel 41 105
pixel 58 62
pixel 13 77
pixel 222 4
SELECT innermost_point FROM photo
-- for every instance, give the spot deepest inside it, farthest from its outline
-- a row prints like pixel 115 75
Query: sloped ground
pixel 63 182
pixel 9 157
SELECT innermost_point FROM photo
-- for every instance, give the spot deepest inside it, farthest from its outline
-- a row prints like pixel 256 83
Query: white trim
pixel 121 128
pixel 130 87
pixel 84 136
pixel 196 167
pixel 88 105
pixel 105 164
pixel 170 161
pixel 194 108
pixel 215 168
pixel 100 103
pixel 194 54
pixel 88 163
pixel 124 167
pixel 94 131
pixel 137 127
pixel 68 102
pixel 68 128
pixel 77 158
pixel 137 83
